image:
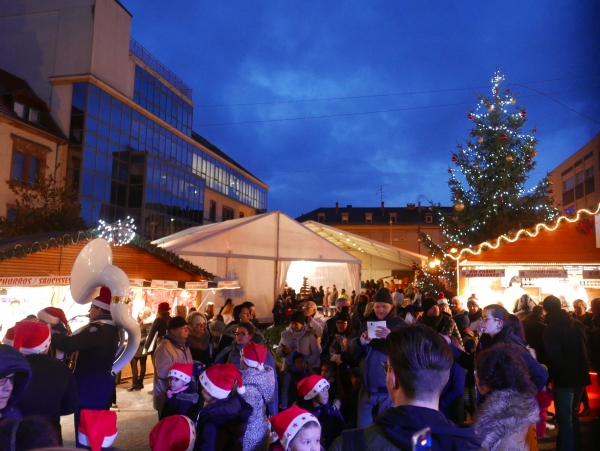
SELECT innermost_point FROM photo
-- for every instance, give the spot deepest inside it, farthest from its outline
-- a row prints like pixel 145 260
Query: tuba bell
pixel 93 269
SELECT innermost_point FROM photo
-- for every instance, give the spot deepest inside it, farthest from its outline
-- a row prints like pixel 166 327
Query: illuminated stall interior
pixel 561 259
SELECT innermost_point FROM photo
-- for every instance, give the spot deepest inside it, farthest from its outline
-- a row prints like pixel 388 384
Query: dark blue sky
pixel 282 56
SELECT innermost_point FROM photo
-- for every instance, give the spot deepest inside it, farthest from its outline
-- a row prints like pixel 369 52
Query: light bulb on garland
pixel 534 152
pixel 480 140
pixel 459 206
pixel 509 158
pixel 118 233
pixel 454 158
pixel 504 137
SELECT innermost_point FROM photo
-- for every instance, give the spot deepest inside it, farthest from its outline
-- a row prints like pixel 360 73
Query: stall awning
pixel 397 259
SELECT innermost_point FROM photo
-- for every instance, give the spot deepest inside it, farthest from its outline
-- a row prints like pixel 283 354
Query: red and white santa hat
pixel 287 424
pixel 220 379
pixel 442 298
pixel 182 371
pixel 52 316
pixel 9 337
pixel 103 299
pixel 32 338
pixel 97 428
pixel 311 386
pixel 254 355
pixel 173 433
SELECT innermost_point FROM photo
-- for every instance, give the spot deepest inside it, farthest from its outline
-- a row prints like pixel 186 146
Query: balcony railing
pixel 159 68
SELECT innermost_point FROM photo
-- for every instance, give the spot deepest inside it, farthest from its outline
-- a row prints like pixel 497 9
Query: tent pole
pixel 276 264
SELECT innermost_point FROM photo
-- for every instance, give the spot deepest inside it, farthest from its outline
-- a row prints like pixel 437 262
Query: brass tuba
pixel 93 269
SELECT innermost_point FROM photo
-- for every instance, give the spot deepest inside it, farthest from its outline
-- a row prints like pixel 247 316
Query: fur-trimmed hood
pixel 501 421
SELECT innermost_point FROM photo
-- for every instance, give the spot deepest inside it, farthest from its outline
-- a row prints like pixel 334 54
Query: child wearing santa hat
pixel 182 397
pixel 313 394
pixel 222 422
pixel 295 429
pixel 174 433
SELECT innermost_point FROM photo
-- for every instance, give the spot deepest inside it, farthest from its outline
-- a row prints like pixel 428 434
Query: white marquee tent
pixel 263 252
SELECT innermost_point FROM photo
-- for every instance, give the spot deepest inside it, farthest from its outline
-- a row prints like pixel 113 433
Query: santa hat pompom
pixel 311 386
pixel 254 355
pixel 32 338
pixel 97 428
pixel 174 433
pixel 287 424
pixel 218 380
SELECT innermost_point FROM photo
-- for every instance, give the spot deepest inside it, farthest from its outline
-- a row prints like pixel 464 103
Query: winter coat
pixel 12 362
pixel 503 419
pixel 157 331
pixel 442 324
pixel 373 354
pixel 566 350
pixel 167 353
pixel 451 398
pixel 534 334
pixel 260 391
pixel 228 335
pixel 198 340
pixel 222 425
pixel 394 428
pixel 52 391
pixel 306 344
pixel 537 373
pixel 331 420
pixel 183 403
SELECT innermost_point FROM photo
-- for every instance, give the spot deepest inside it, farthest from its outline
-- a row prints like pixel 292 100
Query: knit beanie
pixel 383 295
pixel 173 433
pixel 176 322
pixel 343 315
pixel 297 317
pixel 462 321
pixel 551 304
pixel 427 304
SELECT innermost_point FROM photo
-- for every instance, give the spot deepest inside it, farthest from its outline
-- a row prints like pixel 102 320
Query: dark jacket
pixel 52 392
pixel 595 343
pixel 566 350
pixel 12 362
pixel 394 428
pixel 157 330
pixel 537 373
pixel 451 398
pixel 373 354
pixel 222 425
pixel 331 420
pixel 330 325
pixel 442 324
pixel 97 346
pixel 534 334
pixel 183 403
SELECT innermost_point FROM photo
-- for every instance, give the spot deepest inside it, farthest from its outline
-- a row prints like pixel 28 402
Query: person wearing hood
pixel 508 409
pixel 15 375
pixel 475 313
pixel 523 306
pixel 567 358
pixel 439 321
pixel 298 337
pixel 416 369
pixel 173 348
pixel 199 337
pixel 374 397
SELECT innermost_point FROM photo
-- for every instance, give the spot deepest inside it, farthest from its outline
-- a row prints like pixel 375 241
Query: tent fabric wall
pixel 258 252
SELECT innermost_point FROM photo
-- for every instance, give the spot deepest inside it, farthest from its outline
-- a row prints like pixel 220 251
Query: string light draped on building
pixel 488 175
pixel 118 233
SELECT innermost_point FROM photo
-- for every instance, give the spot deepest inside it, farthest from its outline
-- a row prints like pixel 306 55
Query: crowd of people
pixel 366 371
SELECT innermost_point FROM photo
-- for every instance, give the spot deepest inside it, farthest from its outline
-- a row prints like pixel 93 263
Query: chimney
pixel 337 209
pixel 420 208
pixel 382 209
pixel 410 206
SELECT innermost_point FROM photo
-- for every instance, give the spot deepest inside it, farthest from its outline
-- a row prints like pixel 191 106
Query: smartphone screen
pixel 421 440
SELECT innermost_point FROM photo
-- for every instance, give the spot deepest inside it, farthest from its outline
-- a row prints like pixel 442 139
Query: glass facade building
pixel 125 163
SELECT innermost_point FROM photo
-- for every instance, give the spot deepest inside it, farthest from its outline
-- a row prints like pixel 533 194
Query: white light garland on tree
pixel 118 233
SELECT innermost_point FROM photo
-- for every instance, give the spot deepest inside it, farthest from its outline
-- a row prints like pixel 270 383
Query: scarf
pixel 181 343
pixel 174 392
pixel 433 321
pixel 296 337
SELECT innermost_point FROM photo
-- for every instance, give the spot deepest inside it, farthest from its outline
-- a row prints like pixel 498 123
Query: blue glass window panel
pixel 126 124
pixel 86 210
pixel 115 136
pixel 89 159
pixel 95 89
pixel 143 134
pixel 137 81
pixel 91 140
pixel 156 196
pixel 136 115
pixel 149 192
pixel 149 175
pixel 93 105
pixel 91 124
pixel 100 188
pixel 102 163
pixel 115 121
pixel 87 184
pixel 96 212
pixel 103 130
pixel 79 99
pixel 156 143
pixel 105 112
pixel 114 150
pixel 102 145
pixel 135 128
pixel 124 141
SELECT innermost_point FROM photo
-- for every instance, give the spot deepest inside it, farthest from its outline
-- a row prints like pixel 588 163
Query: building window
pixel 227 213
pixel 369 217
pixel 28 161
pixel 589 172
pixel 570 210
pixel 344 217
pixel 429 218
pixel 579 178
pixel 393 218
pixel 19 108
pixel 321 218
pixel 27 113
pixel 212 211
pixel 568 184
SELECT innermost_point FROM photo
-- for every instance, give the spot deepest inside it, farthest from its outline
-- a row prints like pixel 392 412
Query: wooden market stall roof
pixel 560 243
pixel 54 255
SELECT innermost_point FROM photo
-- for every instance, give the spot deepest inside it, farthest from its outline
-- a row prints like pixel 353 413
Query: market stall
pixel 561 259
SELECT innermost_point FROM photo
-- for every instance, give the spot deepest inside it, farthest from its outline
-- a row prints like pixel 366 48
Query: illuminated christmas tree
pixel 488 180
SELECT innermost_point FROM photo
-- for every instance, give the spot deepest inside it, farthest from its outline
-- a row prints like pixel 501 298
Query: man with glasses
pixel 15 375
pixel 416 369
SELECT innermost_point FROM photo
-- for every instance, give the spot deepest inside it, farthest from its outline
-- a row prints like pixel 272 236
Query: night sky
pixel 328 101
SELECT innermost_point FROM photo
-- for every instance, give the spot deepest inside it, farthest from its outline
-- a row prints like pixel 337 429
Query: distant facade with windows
pixel 395 226
pixel 128 119
pixel 30 139
pixel 575 182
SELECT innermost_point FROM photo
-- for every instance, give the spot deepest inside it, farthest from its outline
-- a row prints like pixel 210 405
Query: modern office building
pixel 131 148
pixel 574 182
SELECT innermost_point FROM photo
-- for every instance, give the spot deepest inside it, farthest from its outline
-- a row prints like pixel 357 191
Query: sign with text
pixel 196 285
pixel 136 282
pixel 591 274
pixel 169 284
pixel 549 273
pixel 481 273
pixel 33 281
pixel 228 284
